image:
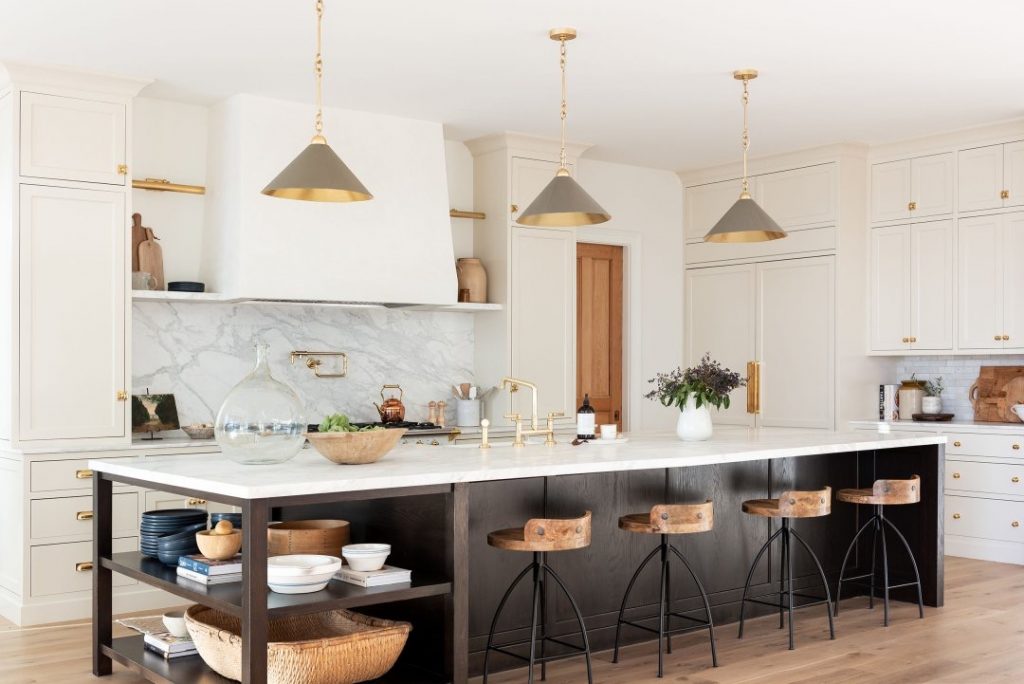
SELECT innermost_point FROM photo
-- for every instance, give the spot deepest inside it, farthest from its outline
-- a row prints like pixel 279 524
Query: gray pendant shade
pixel 318 175
pixel 563 204
pixel 745 222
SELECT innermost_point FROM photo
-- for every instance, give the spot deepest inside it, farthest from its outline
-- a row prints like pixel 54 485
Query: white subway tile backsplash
pixel 958 374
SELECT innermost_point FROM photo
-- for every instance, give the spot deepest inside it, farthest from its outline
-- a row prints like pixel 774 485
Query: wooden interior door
pixel 599 329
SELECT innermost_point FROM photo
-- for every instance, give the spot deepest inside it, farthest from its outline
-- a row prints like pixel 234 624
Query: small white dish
pixel 174 622
pixel 366 557
pixel 299 588
pixel 609 431
pixel 301 565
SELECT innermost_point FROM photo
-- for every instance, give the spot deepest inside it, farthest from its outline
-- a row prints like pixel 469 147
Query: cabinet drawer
pixel 985 518
pixel 51 476
pixel 72 516
pixel 58 569
pixel 1002 446
pixel 994 478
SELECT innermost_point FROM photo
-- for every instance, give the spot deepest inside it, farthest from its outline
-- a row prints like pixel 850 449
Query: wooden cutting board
pixel 138 237
pixel 151 259
pixel 995 391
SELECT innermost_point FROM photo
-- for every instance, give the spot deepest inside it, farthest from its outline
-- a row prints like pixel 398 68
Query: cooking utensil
pixel 457 393
pixel 391 409
pixel 464 390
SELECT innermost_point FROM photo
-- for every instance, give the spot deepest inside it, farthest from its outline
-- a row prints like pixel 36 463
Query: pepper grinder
pixel 440 412
pixel 432 412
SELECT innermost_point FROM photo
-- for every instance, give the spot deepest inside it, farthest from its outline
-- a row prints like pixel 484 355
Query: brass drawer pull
pixel 83 567
pixel 912 206
pixel 1016 447
pixel 1014 479
pixel 906 340
pixel 956 516
pixel 1005 194
pixel 83 515
pixel 83 474
pixel 956 443
pixel 1015 523
pixel 956 476
pixel 998 338
pixel 196 502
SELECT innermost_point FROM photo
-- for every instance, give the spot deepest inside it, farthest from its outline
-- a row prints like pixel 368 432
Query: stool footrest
pixel 574 649
pixel 670 631
pixel 815 600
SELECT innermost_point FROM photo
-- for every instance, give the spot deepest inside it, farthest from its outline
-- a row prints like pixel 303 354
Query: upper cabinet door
pixel 931 288
pixel 1013 174
pixel 980 283
pixel 931 185
pixel 1012 250
pixel 720 320
pixel 801 197
pixel 705 204
pixel 67 138
pixel 796 342
pixel 890 288
pixel 529 177
pixel 890 191
pixel 72 313
pixel 980 178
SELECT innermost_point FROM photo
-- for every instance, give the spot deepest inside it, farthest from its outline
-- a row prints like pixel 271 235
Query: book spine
pixel 194 566
pixel 193 575
pixel 167 655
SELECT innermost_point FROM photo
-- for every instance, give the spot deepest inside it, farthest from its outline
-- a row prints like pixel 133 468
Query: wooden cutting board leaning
pixel 150 254
pixel 996 390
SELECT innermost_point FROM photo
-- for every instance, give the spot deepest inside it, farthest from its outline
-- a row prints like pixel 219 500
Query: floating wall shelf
pixel 164 185
pixel 219 298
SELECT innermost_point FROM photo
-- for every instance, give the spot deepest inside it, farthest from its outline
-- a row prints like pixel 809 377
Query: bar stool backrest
pixel 683 518
pixel 805 504
pixel 897 491
pixel 573 533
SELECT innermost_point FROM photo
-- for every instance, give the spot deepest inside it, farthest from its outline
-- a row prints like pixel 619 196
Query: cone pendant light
pixel 745 221
pixel 318 174
pixel 563 203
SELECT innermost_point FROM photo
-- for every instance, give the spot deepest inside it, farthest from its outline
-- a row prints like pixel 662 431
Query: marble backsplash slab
pixel 199 351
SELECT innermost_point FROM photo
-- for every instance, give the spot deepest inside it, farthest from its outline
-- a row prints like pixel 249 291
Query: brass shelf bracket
pixel 314 363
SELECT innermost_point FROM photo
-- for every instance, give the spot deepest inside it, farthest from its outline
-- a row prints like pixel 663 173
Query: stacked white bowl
pixel 300 573
pixel 366 557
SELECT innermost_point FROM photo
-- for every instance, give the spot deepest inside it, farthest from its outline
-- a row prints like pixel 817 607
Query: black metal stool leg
pixel 885 573
pixel 662 618
pixel 707 604
pixel 625 598
pixel 874 548
pixel 824 582
pixel 497 614
pixel 750 575
pixel 786 542
pixel 543 618
pixel 579 619
pixel 913 562
pixel 668 597
pixel 783 553
pixel 534 615
pixel 849 550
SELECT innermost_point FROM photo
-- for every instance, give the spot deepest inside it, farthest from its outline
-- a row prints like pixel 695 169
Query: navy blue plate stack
pixel 171 532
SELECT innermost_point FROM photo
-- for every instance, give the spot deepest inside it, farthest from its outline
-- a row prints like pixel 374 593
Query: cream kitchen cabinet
pixel 780 314
pixel 991 177
pixel 990 269
pixel 912 188
pixel 70 138
pixel 704 204
pixel 72 316
pixel 911 287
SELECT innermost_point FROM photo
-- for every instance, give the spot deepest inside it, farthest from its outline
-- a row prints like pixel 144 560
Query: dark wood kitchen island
pixel 435 506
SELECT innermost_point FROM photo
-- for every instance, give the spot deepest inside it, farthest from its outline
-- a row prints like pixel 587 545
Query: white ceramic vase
pixel 931 404
pixel 694 424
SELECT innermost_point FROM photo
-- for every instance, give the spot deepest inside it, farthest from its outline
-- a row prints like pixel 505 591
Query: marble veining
pixel 199 352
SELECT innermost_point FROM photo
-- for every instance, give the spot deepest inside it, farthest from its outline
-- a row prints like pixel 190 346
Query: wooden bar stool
pixel 795 504
pixel 665 520
pixel 539 536
pixel 882 493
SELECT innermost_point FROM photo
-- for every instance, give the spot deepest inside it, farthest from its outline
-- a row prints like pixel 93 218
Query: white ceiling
pixel 649 80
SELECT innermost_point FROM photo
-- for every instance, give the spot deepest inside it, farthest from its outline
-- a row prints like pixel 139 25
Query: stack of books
pixel 197 568
pixel 374 578
pixel 169 646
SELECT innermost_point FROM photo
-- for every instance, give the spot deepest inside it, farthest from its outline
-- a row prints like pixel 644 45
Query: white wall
pixel 459 169
pixel 169 141
pixel 646 203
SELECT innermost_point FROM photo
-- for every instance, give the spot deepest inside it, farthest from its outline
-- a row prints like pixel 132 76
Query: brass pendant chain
pixel 746 135
pixel 318 68
pixel 561 61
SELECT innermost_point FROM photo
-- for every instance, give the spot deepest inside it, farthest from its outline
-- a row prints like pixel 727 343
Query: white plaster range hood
pixel 394 249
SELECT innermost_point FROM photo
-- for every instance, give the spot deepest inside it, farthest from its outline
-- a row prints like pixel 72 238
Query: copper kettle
pixel 391 410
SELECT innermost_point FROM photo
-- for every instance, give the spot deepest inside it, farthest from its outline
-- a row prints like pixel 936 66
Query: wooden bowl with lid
pixel 316 537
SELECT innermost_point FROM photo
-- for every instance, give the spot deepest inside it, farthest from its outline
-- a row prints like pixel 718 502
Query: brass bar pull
pixel 83 515
pixel 753 387
pixel 83 474
pixel 83 567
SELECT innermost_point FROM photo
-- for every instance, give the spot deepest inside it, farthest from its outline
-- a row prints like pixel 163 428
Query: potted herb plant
pixel 932 400
pixel 693 391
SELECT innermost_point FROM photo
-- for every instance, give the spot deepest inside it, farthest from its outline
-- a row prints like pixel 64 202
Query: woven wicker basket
pixel 334 647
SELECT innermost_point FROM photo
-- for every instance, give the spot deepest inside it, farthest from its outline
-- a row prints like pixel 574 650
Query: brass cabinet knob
pixel 1005 194
pixel 913 339
pixel 83 515
pixel 956 443
pixel 956 476
pixel 912 206
pixel 83 567
pixel 1015 447
pixel 1015 523
pixel 906 339
pixel 122 395
pixel 956 516
pixel 997 338
pixel 1014 479
pixel 196 502
pixel 122 169
pixel 83 474
pixel 514 208
pixel 1006 338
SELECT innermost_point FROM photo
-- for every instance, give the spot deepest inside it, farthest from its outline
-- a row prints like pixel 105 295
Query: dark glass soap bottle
pixel 586 420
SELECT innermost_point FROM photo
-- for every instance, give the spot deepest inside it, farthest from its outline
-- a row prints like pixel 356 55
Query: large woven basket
pixel 334 647
pixel 355 448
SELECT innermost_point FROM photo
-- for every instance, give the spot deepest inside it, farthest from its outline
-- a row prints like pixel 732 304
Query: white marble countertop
pixel 409 466
pixel 169 440
pixel 945 426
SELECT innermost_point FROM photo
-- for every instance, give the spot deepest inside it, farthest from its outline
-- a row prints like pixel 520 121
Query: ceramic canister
pixel 473 277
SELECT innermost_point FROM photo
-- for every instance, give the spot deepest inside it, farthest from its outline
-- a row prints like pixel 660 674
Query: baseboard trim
pixel 985 549
pixel 79 606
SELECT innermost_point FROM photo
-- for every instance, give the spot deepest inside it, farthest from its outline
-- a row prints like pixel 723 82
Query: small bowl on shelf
pixel 300 573
pixel 366 557
pixel 220 543
pixel 355 448
pixel 198 430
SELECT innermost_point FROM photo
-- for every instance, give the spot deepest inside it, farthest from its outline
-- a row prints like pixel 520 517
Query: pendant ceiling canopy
pixel 563 203
pixel 745 221
pixel 317 174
